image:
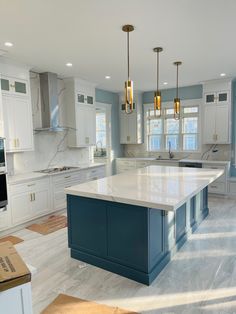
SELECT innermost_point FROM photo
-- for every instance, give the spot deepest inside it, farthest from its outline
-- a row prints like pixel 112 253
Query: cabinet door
pixel 9 123
pixel 209 133
pixel 20 87
pixel 90 125
pixel 223 97
pixel 41 202
pixel 81 126
pixel 124 128
pixel 21 207
pixel 132 125
pixel 23 123
pixel 5 85
pixel 222 124
pixel 210 98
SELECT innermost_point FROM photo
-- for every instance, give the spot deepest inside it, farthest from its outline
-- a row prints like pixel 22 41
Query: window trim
pixel 169 105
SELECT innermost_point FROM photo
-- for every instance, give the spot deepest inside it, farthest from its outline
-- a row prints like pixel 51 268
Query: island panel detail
pixel 133 241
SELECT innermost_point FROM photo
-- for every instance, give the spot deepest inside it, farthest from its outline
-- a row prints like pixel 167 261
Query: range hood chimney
pixel 49 103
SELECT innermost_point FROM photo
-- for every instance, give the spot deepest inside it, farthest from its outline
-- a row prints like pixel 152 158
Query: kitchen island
pixel 133 223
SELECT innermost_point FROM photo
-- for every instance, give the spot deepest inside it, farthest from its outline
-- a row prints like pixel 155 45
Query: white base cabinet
pixel 17 300
pixel 41 196
pixel 29 200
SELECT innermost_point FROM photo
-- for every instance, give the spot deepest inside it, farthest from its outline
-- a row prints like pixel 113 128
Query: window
pixel 181 135
pixel 101 134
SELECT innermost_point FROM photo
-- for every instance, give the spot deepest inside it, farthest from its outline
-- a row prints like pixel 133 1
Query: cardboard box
pixel 13 270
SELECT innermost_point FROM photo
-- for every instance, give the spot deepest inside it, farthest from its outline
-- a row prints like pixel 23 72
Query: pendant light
pixel 177 99
pixel 129 89
pixel 157 94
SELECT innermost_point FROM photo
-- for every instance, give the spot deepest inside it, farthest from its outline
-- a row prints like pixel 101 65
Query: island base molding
pixel 133 241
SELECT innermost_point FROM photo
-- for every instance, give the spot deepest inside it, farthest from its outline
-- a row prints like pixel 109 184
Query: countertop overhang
pixel 159 187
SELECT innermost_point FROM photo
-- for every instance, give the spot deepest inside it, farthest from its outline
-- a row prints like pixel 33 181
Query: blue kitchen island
pixel 133 223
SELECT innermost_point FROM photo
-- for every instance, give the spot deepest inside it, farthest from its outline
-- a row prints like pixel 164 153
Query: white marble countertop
pixel 203 161
pixel 24 177
pixel 158 187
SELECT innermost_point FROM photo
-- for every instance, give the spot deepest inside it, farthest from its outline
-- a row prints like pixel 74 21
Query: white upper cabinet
pixel 81 112
pixel 217 112
pixel 14 86
pixel 16 110
pixel 131 124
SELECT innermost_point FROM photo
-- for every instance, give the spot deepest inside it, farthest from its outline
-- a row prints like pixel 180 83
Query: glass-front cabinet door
pixel 5 84
pixel 210 98
pixel 223 97
pixel 20 87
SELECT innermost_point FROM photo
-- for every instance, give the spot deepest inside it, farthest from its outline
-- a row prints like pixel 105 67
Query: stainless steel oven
pixel 2 155
pixel 3 191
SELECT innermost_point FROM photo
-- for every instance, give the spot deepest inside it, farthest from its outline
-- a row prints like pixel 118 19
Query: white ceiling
pixel 49 33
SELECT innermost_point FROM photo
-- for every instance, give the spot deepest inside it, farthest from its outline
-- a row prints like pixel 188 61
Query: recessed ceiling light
pixel 69 64
pixel 165 83
pixel 107 77
pixel 8 44
pixel 222 74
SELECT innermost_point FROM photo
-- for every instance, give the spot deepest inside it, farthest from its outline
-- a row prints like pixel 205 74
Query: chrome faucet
pixel 171 155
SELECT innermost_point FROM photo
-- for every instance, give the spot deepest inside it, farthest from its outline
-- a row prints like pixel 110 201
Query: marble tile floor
pixel 200 279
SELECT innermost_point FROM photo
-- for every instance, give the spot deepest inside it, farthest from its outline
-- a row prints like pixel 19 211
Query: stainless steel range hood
pixel 49 103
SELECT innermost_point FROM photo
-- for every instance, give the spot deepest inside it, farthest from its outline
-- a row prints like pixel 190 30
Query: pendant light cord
pixel 177 82
pixel 157 71
pixel 128 53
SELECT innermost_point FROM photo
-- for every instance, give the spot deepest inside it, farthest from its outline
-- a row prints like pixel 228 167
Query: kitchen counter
pixel 133 223
pixel 24 177
pixel 160 187
pixel 203 161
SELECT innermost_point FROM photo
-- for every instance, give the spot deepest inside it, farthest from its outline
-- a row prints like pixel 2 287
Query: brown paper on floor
pixel 13 270
pixel 14 240
pixel 65 304
pixel 52 224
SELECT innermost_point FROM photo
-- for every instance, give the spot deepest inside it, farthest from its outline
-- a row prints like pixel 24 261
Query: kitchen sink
pixel 167 159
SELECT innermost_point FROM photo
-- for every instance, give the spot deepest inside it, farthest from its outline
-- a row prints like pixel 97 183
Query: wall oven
pixel 3 176
pixel 2 155
pixel 3 192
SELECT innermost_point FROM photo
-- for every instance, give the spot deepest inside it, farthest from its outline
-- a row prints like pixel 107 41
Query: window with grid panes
pixel 182 135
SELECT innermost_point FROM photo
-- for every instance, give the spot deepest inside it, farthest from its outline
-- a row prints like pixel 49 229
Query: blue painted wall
pixel 233 169
pixel 113 99
pixel 186 92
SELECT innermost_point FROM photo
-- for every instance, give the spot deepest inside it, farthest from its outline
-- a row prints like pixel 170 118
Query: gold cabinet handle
pixel 34 197
pixel 31 197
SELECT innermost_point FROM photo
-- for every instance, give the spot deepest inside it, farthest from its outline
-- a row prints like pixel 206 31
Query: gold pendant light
pixel 129 88
pixel 177 99
pixel 157 94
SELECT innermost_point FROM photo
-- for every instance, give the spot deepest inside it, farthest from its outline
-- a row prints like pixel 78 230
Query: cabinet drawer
pixel 124 169
pixel 29 186
pixel 141 164
pixel 67 177
pixel 217 187
pixel 221 178
pixel 95 173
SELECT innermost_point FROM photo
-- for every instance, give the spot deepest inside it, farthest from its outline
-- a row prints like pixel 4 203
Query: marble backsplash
pixel 223 153
pixel 50 148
